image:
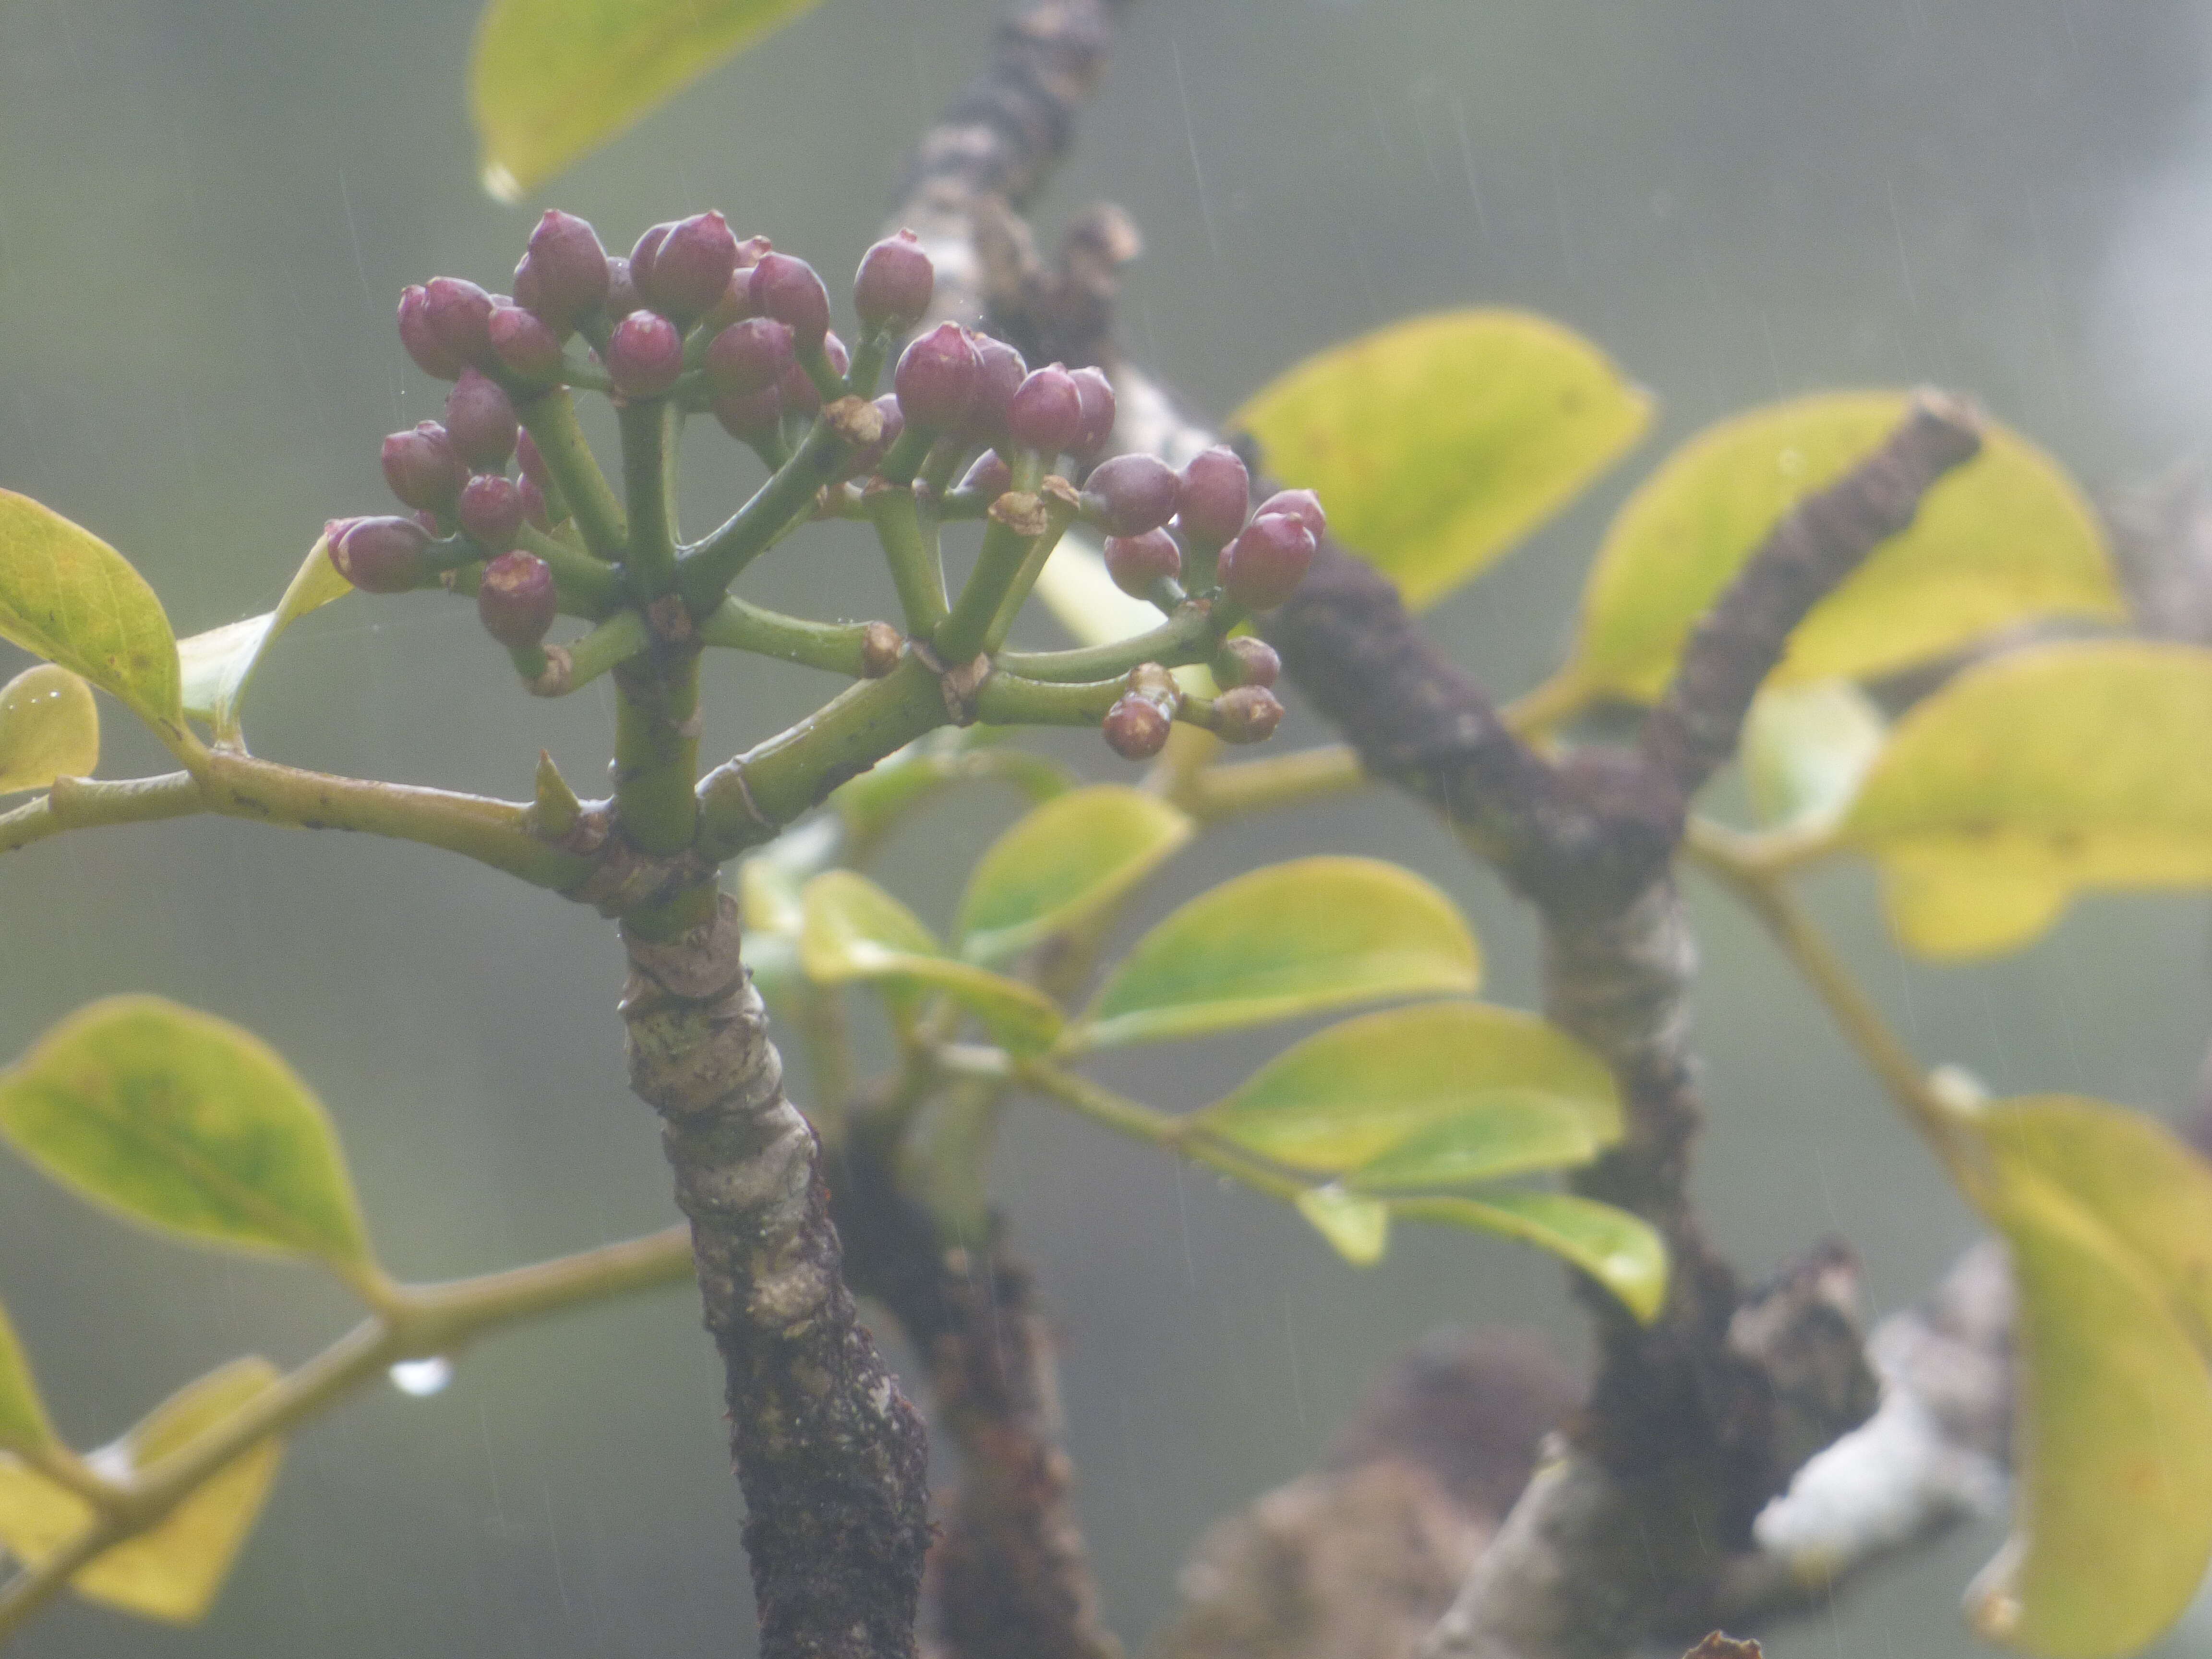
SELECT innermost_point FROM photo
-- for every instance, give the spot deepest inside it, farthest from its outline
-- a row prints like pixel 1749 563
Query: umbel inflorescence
pixel 696 321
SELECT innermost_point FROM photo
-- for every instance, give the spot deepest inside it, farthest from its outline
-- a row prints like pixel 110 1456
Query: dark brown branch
pixel 832 1459
pixel 1818 545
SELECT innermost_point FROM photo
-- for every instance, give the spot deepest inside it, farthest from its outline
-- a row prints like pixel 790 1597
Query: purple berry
pixel 893 287
pixel 748 356
pixel 429 354
pixel 1136 728
pixel 645 355
pixel 491 511
pixel 516 599
pixel 788 290
pixel 621 290
pixel 1264 564
pixel 1096 392
pixel 534 509
pixel 1135 563
pixel 569 271
pixel 1214 496
pixel 381 555
pixel 481 421
pixel 869 457
pixel 1300 504
pixel 1131 494
pixel 643 255
pixel 735 303
pixel 989 477
pixel 800 395
pixel 1046 412
pixel 458 314
pixel 423 468
pixel 1248 714
pixel 533 464
pixel 936 377
pixel 751 418
pixel 1246 660
pixel 1000 375
pixel 524 345
pixel 690 269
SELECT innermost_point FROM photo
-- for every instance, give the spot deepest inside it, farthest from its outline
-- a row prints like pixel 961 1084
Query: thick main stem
pixel 831 1457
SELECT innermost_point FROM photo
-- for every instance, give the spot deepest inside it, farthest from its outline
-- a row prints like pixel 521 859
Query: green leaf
pixel 2030 777
pixel 181 1121
pixel 1438 442
pixel 2110 1531
pixel 1293 939
pixel 49 729
pixel 1357 1227
pixel 69 596
pixel 1360 1090
pixel 2005 538
pixel 217 666
pixel 173 1571
pixel 550 80
pixel 1062 863
pixel 854 929
pixel 1618 1249
pixel 1506 1132
pixel 23 1425
pixel 1805 750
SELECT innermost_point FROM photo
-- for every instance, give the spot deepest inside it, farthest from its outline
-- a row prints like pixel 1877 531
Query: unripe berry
pixel 491 511
pixel 1136 728
pixel 800 394
pixel 1215 493
pixel 1000 375
pixel 748 356
pixel 1096 392
pixel 422 468
pixel 569 272
pixel 458 313
pixel 381 555
pixel 1135 563
pixel 788 290
pixel 1131 494
pixel 1246 660
pixel 524 345
pixel 936 377
pixel 481 421
pixel 516 599
pixel 644 354
pixel 752 417
pixel 690 269
pixel 531 463
pixel 1264 565
pixel 735 303
pixel 1249 714
pixel 429 354
pixel 990 477
pixel 1047 412
pixel 641 257
pixel 621 290
pixel 893 286
pixel 534 509
pixel 1300 504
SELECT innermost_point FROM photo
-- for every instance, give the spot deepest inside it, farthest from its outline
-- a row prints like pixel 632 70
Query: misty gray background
pixel 207 208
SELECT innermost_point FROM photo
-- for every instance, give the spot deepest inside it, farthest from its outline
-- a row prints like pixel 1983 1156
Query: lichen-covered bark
pixel 831 1456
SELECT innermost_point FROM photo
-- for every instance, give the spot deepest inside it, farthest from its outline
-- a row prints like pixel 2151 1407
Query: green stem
pixel 657 751
pixel 552 423
pixel 1190 635
pixel 650 429
pixel 737 626
pixel 705 571
pixel 422 1320
pixel 1011 700
pixel 1005 551
pixel 910 549
pixel 613 642
pixel 588 588
pixel 1059 515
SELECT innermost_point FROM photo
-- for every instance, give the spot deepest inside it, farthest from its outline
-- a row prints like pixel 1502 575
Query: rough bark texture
pixel 832 1458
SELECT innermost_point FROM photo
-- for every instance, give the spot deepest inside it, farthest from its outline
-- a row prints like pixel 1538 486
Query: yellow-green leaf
pixel 2036 775
pixel 49 729
pixel 1360 1090
pixel 871 803
pixel 218 664
pixel 1438 442
pixel 1292 938
pixel 1358 1228
pixel 2005 538
pixel 1506 1132
pixel 187 1123
pixel 37 1516
pixel 1807 748
pixel 1061 863
pixel 2113 1443
pixel 23 1425
pixel 1618 1249
pixel 854 929
pixel 69 596
pixel 550 80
